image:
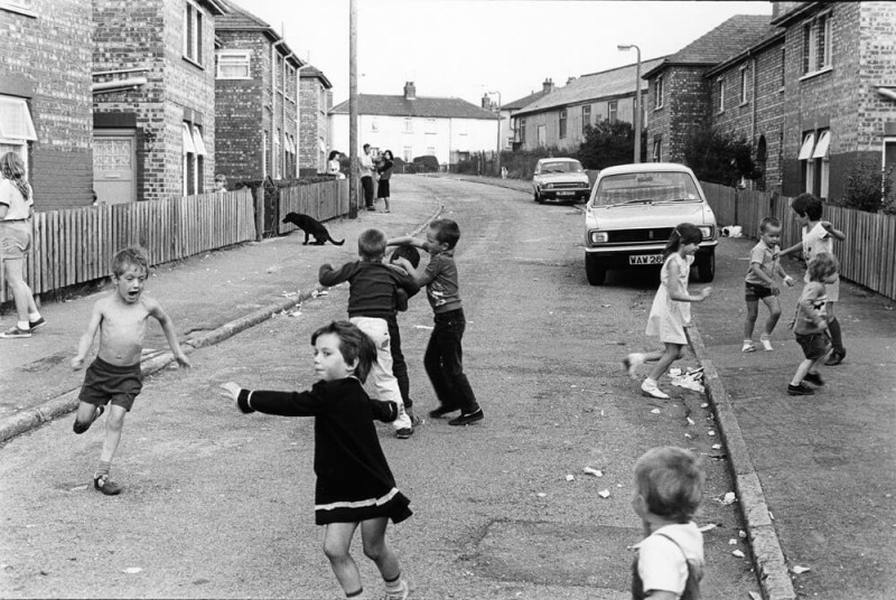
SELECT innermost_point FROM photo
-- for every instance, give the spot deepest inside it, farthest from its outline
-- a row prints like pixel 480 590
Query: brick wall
pixel 877 114
pixel 313 124
pixel 47 60
pixel 686 106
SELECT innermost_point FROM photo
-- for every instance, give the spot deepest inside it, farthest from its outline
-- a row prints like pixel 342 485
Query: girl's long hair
pixel 13 169
pixel 684 233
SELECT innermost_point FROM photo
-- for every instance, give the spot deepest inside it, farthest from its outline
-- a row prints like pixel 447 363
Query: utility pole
pixel 498 155
pixel 353 109
pixel 637 115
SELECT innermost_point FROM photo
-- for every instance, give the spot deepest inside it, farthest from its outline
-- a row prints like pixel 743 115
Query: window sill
pixel 193 62
pixel 15 8
pixel 233 78
pixel 807 76
pixel 742 104
pixel 781 90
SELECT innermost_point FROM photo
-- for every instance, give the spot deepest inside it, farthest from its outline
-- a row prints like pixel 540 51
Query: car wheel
pixel 538 197
pixel 594 270
pixel 706 267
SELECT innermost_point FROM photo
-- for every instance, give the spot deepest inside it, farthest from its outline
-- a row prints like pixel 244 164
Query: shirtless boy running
pixel 115 375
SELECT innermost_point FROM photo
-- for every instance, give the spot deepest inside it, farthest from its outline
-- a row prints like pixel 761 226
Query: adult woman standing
pixel 384 170
pixel 333 166
pixel 16 207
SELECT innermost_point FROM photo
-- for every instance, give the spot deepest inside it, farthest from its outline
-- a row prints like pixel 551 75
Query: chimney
pixel 547 85
pixel 570 79
pixel 486 102
pixel 410 92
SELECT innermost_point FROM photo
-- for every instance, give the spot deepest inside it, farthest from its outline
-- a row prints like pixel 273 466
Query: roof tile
pixel 421 106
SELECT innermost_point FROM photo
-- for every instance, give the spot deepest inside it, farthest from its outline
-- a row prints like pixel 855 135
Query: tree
pixel 720 157
pixel 607 144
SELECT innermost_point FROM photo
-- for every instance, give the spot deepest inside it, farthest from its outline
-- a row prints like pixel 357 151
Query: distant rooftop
pixel 420 106
pixel 311 72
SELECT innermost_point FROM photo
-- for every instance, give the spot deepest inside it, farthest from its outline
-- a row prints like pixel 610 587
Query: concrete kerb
pixel 768 557
pixel 32 418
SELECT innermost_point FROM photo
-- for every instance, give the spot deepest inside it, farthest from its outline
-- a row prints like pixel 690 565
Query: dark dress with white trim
pixel 354 482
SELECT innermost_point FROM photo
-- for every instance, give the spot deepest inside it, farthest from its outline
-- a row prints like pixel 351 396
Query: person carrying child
pixel 760 284
pixel 812 323
pixel 355 486
pixel 671 310
pixel 818 237
pixel 372 307
pixel 443 359
pixel 669 487
pixel 115 377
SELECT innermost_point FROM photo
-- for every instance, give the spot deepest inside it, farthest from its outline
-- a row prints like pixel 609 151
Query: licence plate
pixel 646 259
pixel 565 193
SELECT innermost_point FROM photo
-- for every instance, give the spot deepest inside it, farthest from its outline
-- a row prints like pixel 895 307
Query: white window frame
pixel 408 125
pixel 658 93
pixel 234 58
pixel 720 88
pixel 613 111
pixel 657 149
pixel 586 117
pixel 374 124
pixel 431 126
pixel 744 85
pixel 820 158
pixel 815 62
pixel 431 150
pixel 193 42
pixel 408 152
pixel 805 157
pixel 562 130
pixel 16 140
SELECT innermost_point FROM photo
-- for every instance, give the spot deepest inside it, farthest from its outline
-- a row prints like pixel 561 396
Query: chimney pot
pixel 410 92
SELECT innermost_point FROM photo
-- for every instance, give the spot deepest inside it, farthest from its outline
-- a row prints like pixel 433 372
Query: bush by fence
pixel 867 256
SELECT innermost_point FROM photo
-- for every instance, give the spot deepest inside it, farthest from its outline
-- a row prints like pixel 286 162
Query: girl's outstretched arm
pixel 287 404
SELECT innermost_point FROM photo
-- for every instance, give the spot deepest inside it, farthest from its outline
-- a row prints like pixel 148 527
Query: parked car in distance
pixel 561 180
pixel 632 212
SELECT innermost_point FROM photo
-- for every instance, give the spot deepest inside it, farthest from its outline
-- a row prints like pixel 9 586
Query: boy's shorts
pixel 15 239
pixel 815 345
pixel 105 383
pixel 754 291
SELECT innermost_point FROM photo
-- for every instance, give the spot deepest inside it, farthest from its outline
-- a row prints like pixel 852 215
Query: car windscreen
pixel 646 188
pixel 561 166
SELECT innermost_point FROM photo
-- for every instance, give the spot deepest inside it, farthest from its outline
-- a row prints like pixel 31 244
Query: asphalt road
pixel 218 504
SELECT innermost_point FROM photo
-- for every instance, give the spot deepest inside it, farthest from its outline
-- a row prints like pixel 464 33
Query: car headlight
pixel 706 231
pixel 599 237
pixel 548 186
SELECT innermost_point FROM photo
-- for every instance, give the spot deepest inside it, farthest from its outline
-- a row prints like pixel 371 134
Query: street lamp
pixel 637 99
pixel 498 155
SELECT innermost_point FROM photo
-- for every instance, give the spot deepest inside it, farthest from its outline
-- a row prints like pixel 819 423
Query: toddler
pixel 760 283
pixel 811 323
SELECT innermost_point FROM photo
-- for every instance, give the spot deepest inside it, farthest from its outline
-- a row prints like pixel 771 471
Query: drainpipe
pixel 754 100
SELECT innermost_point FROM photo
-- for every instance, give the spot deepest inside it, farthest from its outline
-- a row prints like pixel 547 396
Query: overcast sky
pixel 467 47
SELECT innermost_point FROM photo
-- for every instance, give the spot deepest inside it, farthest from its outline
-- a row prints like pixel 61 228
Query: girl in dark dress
pixel 354 483
pixel 384 171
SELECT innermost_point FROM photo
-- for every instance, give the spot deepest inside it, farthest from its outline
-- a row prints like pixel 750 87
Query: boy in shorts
pixel 812 322
pixel 759 284
pixel 114 377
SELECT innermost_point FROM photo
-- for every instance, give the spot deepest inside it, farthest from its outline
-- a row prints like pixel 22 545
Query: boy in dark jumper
pixel 373 288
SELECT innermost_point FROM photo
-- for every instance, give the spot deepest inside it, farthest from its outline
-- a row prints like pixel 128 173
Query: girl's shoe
pixel 631 363
pixel 15 332
pixel 399 594
pixel 766 344
pixel 650 388
pixel 748 346
pixel 835 358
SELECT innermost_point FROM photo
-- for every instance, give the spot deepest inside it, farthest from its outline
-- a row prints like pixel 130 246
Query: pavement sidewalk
pixel 209 297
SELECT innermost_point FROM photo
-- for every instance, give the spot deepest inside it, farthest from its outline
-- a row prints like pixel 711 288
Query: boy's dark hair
pixel 446 232
pixel 670 480
pixel 767 222
pixel 132 256
pixel 808 205
pixel 822 266
pixel 684 233
pixel 353 344
pixel 407 252
pixel 372 244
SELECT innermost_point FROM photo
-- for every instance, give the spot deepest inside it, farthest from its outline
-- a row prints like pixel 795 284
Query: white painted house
pixel 411 126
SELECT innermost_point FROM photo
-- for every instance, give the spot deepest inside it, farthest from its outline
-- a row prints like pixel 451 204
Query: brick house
pixel 315 101
pixel 559 119
pixel 153 98
pixel 508 123
pixel 45 101
pixel 411 126
pixel 256 94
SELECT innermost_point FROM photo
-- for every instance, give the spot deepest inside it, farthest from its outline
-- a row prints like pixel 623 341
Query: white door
pixel 114 166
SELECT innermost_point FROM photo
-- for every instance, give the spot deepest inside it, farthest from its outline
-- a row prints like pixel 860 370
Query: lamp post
pixel 637 124
pixel 498 155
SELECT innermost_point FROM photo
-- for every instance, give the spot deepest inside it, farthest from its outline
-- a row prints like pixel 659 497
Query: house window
pixel 278 74
pixel 264 154
pixel 658 93
pixel 430 126
pixel 276 164
pixel 523 131
pixel 744 85
pixel 657 149
pixel 586 118
pixel 374 124
pixel 822 163
pixel 408 125
pixel 612 111
pixel 430 150
pixel 720 87
pixel 408 153
pixel 233 64
pixel 290 82
pixel 16 127
pixel 805 158
pixel 783 64
pixel 562 124
pixel 817 44
pixel 193 33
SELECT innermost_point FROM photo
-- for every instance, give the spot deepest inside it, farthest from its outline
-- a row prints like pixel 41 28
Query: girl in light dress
pixel 671 310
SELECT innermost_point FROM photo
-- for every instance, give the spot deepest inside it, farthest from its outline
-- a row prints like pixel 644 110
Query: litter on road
pixel 593 471
pixel 738 553
pixel 570 477
pixel 798 570
pixel 728 498
pixel 604 493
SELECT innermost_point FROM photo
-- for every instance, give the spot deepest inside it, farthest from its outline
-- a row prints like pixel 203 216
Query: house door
pixel 890 162
pixel 114 166
pixel 541 130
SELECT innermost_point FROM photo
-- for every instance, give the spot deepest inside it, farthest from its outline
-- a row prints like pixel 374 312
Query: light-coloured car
pixel 560 180
pixel 632 212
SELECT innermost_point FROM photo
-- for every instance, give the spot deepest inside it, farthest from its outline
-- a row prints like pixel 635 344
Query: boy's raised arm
pixel 96 317
pixel 791 249
pixel 838 235
pixel 156 310
pixel 329 277
pixel 406 240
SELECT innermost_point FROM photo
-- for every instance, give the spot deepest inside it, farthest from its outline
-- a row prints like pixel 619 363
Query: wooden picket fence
pixel 867 256
pixel 325 200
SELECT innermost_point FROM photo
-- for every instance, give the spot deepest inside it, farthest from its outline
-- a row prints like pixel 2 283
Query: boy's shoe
pixel 399 594
pixel 104 485
pixel 799 390
pixel 37 324
pixel 468 418
pixel 748 346
pixel 404 433
pixel 15 332
pixel 766 344
pixel 440 412
pixel 415 420
pixel 835 358
pixel 814 379
pixel 79 427
pixel 651 389
pixel 631 362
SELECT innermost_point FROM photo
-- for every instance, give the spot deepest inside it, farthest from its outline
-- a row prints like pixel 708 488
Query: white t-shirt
pixel 661 564
pixel 816 241
pixel 19 207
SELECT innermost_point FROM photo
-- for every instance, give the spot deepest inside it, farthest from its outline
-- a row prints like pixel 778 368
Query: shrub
pixel 426 164
pixel 607 144
pixel 868 189
pixel 720 157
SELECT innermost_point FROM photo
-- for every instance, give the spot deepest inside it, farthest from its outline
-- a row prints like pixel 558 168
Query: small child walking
pixel 115 377
pixel 669 566
pixel 812 322
pixel 443 358
pixel 354 483
pixel 372 305
pixel 818 237
pixel 671 309
pixel 760 284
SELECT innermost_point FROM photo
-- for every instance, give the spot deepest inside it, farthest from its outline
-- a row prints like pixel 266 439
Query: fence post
pixel 258 201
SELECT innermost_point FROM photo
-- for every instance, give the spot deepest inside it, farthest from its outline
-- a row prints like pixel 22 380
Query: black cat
pixel 311 226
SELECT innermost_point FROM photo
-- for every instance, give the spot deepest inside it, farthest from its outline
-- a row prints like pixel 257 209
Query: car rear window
pixel 639 188
pixel 561 166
